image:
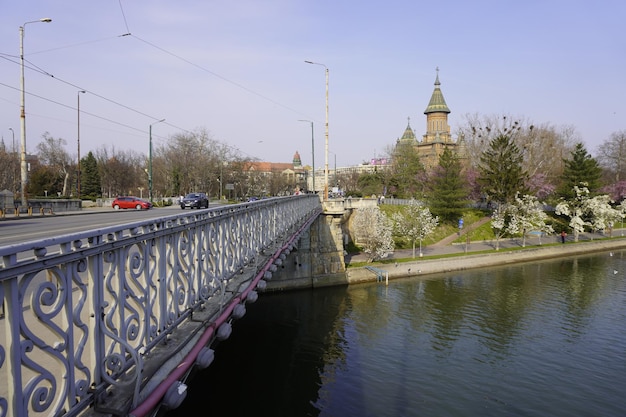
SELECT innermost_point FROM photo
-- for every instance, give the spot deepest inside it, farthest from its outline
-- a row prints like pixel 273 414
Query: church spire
pixel 437 103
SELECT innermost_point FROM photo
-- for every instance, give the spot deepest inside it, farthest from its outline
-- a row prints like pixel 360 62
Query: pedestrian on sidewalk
pixel 563 234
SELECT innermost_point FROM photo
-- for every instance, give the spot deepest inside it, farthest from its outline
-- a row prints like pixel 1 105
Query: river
pixel 535 339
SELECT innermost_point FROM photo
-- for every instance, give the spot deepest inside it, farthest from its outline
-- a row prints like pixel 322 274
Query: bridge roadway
pixel 111 321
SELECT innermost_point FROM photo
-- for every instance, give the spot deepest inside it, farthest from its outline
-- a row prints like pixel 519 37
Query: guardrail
pixel 95 321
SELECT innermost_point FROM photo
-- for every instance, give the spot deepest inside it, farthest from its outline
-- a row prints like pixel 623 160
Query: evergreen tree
pixel 581 170
pixel 371 184
pixel 501 174
pixel 90 184
pixel 448 189
pixel 408 171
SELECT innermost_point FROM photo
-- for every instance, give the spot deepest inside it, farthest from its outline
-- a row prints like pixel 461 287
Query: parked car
pixel 130 202
pixel 195 200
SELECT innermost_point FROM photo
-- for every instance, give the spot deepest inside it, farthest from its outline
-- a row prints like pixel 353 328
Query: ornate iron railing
pixel 94 315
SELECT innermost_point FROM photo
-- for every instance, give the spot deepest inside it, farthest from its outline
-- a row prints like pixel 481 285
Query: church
pixel 437 136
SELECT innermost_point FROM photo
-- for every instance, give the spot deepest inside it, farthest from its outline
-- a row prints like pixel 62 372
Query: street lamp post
pixel 13 165
pixel 326 142
pixel 24 167
pixel 335 173
pixel 312 152
pixel 150 161
pixel 78 139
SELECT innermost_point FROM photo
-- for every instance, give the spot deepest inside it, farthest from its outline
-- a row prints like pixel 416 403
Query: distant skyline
pixel 237 70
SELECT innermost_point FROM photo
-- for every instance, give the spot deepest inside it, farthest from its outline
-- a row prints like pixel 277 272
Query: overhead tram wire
pixel 128 33
pixel 79 44
pixel 217 75
pixel 74 108
pixel 175 56
pixel 124 16
pixel 43 72
pixel 201 67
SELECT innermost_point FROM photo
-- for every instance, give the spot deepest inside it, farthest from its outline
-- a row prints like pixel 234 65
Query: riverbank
pixel 449 258
pixel 463 261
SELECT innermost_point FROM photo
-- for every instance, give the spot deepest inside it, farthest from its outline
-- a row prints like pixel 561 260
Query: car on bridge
pixel 130 202
pixel 195 200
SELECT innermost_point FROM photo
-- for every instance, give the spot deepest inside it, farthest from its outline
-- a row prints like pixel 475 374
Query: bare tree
pixel 51 152
pixel 10 174
pixel 193 161
pixel 543 146
pixel 121 172
pixel 612 155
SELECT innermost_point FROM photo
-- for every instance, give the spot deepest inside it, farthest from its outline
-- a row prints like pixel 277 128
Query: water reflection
pixel 546 338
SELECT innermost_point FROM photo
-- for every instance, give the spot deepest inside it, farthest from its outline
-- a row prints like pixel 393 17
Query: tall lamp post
pixel 150 161
pixel 312 151
pixel 13 166
pixel 335 173
pixel 24 167
pixel 326 144
pixel 78 139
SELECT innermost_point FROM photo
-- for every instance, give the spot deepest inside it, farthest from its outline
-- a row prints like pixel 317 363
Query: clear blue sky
pixel 236 69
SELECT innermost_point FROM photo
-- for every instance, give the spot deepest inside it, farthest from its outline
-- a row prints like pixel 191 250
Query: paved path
pixel 445 246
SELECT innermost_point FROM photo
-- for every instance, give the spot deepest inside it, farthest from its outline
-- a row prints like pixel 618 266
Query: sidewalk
pixel 84 210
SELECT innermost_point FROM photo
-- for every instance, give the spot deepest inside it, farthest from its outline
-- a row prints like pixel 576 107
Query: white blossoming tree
pixel 498 223
pixel 603 215
pixel 416 222
pixel 596 213
pixel 575 210
pixel 373 232
pixel 526 214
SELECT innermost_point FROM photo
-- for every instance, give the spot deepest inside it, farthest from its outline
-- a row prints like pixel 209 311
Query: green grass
pixel 443 230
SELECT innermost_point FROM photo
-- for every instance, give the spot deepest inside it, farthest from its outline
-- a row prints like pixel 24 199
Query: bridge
pixel 112 321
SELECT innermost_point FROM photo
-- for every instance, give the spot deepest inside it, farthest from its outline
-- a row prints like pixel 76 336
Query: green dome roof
pixel 408 135
pixel 437 103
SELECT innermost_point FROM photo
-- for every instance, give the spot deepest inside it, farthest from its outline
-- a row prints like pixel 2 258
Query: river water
pixel 535 339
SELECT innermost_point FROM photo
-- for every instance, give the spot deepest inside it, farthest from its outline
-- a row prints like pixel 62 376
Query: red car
pixel 131 203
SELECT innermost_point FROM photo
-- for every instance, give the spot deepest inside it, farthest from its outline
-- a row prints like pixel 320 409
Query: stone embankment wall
pixel 319 260
pixel 465 262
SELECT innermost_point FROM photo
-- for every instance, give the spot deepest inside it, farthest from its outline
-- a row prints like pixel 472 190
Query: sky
pixel 237 70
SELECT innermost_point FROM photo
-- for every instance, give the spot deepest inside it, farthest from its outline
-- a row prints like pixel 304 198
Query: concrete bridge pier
pixel 318 258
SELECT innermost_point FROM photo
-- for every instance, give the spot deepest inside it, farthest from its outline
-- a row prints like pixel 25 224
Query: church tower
pixel 437 136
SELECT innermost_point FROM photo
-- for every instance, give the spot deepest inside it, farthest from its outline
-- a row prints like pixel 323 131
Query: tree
pixel 51 152
pixel 44 181
pixel 415 222
pixel 543 145
pixel 501 173
pixel 371 184
pixel 602 214
pixel 595 212
pixel 10 172
pixel 581 168
pixel 612 155
pixel 407 171
pixel 448 190
pixel 499 222
pixel 121 173
pixel 91 186
pixel 527 214
pixel 373 232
